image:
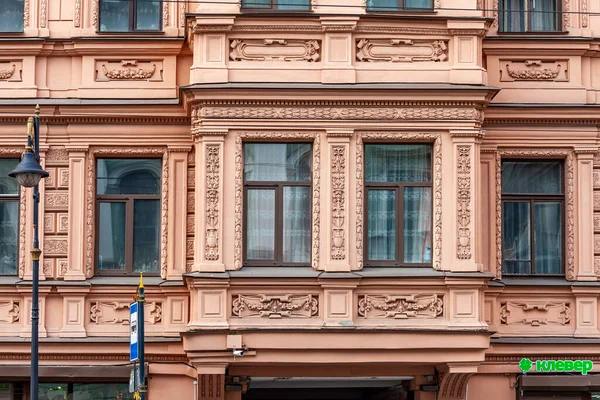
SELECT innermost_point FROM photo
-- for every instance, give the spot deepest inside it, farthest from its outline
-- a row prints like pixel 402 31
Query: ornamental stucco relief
pixel 535 313
pixel 275 306
pixel 401 50
pixel 338 201
pixel 117 313
pixel 10 311
pixel 463 184
pixel 274 50
pixel 129 70
pixel 534 70
pixel 400 306
pixel 11 70
pixel 212 168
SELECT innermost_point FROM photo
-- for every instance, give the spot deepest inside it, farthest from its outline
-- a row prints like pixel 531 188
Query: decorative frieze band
pixel 275 50
pixel 275 306
pixel 401 50
pixel 400 306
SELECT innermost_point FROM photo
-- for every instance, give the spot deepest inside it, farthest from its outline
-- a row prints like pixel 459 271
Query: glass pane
pixel 381 234
pixel 133 176
pixel 9 236
pixel 256 3
pixel 516 246
pixel 277 162
pixel 148 15
pixel 111 253
pixel 53 391
pixel 260 224
pixel 146 235
pixel 8 186
pixel 382 5
pixel 397 163
pixel 11 15
pixel 418 4
pixel 547 236
pixel 537 177
pixel 93 391
pixel 293 4
pixel 296 224
pixel 512 15
pixel 543 15
pixel 417 224
pixel 114 15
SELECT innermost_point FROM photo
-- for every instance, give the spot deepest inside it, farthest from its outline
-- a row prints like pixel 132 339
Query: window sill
pixel 534 280
pixel 543 33
pixel 258 11
pixel 136 33
pixel 403 11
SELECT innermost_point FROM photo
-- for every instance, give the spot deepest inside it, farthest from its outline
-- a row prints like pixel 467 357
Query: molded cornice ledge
pixel 217 24
pixel 339 24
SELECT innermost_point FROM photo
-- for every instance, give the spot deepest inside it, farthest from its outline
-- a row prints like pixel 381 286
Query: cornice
pixel 539 121
pixel 93 356
pixel 51 119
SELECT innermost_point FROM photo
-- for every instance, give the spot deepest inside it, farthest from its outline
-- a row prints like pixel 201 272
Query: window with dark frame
pixel 529 16
pixel 128 193
pixel 130 15
pixel 398 206
pixel 277 203
pixel 396 5
pixel 11 16
pixel 83 390
pixel 276 5
pixel 533 217
pixel 9 218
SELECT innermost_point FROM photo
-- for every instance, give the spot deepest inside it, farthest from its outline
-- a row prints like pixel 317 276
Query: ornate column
pixel 76 176
pixel 465 144
pixel 586 203
pixel 336 238
pixel 177 212
pixel 208 216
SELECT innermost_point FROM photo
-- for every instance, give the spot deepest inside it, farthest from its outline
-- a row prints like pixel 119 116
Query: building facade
pixel 381 199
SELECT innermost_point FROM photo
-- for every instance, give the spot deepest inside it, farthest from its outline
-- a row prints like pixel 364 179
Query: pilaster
pixel 486 217
pixel 26 310
pixel 337 49
pixel 177 212
pixel 73 313
pixel 586 306
pixel 208 243
pixel 585 214
pixel 211 381
pixel 465 145
pixel 210 50
pixel 77 202
pixel 208 304
pixel 339 302
pixel 336 238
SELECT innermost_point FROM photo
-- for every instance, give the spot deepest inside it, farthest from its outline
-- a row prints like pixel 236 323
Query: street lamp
pixel 28 173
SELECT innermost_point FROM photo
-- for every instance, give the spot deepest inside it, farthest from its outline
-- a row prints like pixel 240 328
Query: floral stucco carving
pixel 400 306
pixel 401 50
pixel 275 306
pixel 26 14
pixel 239 185
pixel 95 14
pixel 533 74
pixel 7 73
pixel 77 16
pixel 129 70
pixel 535 313
pixel 117 313
pixel 463 184
pixel 129 73
pixel 584 14
pixel 338 199
pixel 43 13
pixel 10 311
pixel 437 186
pixel 274 50
pixel 91 199
pixel 212 168
pixel 569 180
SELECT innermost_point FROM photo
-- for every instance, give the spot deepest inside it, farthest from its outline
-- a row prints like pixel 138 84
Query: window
pixel 395 5
pixel 529 16
pixel 277 198
pixel 130 15
pixel 84 391
pixel 532 209
pixel 283 5
pixel 399 204
pixel 128 215
pixel 11 15
pixel 9 218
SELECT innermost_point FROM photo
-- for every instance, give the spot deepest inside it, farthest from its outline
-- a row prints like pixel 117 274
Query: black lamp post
pixel 28 173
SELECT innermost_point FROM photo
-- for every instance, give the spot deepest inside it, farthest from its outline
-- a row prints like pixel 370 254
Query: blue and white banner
pixel 133 332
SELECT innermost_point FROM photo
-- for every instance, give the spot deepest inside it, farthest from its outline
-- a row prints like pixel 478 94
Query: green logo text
pixel 581 366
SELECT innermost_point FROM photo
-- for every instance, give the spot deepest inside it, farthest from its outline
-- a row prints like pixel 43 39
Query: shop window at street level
pixel 399 5
pixel 9 218
pixel 533 217
pixel 130 15
pixel 529 15
pixel 276 5
pixel 84 391
pixel 128 193
pixel 277 198
pixel 398 183
pixel 11 15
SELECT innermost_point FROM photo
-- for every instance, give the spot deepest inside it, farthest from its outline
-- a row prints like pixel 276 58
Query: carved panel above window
pixel 535 313
pixel 400 306
pixel 275 306
pixel 534 70
pixel 401 50
pixel 275 50
pixel 129 70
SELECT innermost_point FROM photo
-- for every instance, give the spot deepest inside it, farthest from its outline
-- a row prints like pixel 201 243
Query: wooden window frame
pixel 273 7
pixel 402 7
pixel 277 186
pixel 16 198
pixel 129 200
pixel 533 198
pixel 529 6
pixel 132 19
pixel 399 188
